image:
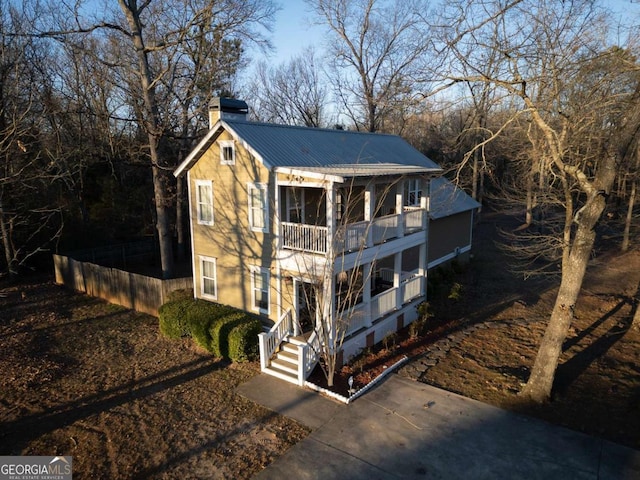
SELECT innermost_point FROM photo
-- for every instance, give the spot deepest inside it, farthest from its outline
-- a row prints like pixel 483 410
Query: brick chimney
pixel 221 107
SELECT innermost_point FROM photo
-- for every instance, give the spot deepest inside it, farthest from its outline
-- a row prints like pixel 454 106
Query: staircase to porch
pixel 286 356
pixel 285 363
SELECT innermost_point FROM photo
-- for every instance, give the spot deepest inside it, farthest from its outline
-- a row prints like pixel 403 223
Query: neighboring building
pixel 310 228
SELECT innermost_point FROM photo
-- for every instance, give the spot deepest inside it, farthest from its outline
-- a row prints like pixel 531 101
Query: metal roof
pixel 291 146
pixel 334 151
pixel 447 199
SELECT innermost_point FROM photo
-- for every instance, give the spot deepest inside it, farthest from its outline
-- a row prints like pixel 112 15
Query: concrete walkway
pixel 406 429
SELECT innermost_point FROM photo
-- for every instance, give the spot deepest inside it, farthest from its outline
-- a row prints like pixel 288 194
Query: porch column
pixel 369 213
pixel 400 208
pixel 397 274
pixel 366 294
pixel 330 206
pixel 424 204
pixel 423 260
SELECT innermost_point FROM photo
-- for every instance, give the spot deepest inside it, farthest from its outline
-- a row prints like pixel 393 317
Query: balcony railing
pixel 303 237
pixel 363 314
pixel 351 237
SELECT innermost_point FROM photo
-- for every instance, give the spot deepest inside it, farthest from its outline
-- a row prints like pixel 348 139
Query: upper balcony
pixel 353 236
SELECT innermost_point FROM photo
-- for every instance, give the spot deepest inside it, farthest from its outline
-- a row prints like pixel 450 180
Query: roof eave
pixel 199 149
pixel 206 142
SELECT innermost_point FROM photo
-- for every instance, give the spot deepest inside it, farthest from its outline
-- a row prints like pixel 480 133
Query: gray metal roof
pixel 333 152
pixel 447 199
pixel 301 147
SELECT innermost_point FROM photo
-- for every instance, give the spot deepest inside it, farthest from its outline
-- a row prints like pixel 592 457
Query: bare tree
pixel 543 47
pixel 160 37
pixel 292 93
pixel 375 48
pixel 30 216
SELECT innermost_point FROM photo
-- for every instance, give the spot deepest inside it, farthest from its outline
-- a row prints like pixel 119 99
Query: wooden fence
pixel 131 290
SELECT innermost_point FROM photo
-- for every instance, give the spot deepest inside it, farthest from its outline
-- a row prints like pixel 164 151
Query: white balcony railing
pixel 355 318
pixel 303 237
pixel 414 220
pixel 384 303
pixel 362 314
pixel 352 237
pixel 412 288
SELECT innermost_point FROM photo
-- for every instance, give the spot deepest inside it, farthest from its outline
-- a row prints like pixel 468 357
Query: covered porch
pixel 329 214
pixel 349 302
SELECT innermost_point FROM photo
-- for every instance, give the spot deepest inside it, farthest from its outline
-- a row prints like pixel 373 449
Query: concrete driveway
pixel 406 429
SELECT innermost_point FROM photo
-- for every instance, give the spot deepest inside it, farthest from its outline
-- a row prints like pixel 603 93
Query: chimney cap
pixel 230 105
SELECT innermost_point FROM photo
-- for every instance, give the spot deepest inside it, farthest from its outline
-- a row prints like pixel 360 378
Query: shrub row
pixel 222 330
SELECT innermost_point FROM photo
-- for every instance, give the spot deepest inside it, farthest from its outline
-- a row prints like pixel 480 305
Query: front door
pixel 305 305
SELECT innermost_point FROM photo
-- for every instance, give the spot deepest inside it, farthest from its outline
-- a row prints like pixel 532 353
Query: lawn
pixel 85 378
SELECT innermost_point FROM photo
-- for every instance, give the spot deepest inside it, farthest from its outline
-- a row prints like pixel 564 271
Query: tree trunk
pixel 528 219
pixel 632 200
pixel 6 243
pixel 180 220
pixel 629 218
pixel 574 265
pixel 152 125
pixel 163 221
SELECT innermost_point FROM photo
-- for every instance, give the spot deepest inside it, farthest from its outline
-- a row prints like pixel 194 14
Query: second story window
pixel 258 207
pixel 227 152
pixel 412 192
pixel 204 202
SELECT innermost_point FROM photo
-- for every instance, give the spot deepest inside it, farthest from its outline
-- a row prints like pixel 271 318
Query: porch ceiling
pixel 341 172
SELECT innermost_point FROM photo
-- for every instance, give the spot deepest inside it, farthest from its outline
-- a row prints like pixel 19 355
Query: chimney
pixel 221 107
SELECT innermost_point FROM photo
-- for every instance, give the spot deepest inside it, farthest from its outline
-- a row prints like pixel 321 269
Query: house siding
pixel 230 240
pixel 448 233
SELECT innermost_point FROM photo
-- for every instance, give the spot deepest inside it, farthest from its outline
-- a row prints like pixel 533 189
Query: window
pixel 258 208
pixel 227 152
pixel 412 192
pixel 204 202
pixel 208 282
pixel 260 289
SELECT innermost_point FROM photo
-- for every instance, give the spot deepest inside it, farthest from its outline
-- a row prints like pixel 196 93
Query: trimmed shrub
pixel 219 332
pixel 243 340
pixel 220 329
pixel 173 318
pixel 200 315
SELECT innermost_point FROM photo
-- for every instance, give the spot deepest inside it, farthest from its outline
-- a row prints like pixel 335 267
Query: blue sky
pixel 294 30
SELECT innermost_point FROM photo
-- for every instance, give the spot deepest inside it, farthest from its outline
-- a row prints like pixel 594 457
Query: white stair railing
pixel 271 340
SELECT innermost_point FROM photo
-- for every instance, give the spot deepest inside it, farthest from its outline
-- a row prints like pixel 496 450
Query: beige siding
pixel 230 240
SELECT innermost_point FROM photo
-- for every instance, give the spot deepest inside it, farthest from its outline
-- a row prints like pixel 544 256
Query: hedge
pixel 200 315
pixel 173 318
pixel 220 329
pixel 243 343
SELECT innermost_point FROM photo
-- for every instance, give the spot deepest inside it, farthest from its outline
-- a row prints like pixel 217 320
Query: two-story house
pixel 317 230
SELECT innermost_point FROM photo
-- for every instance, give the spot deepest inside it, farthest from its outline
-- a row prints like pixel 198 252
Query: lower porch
pixel 290 351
